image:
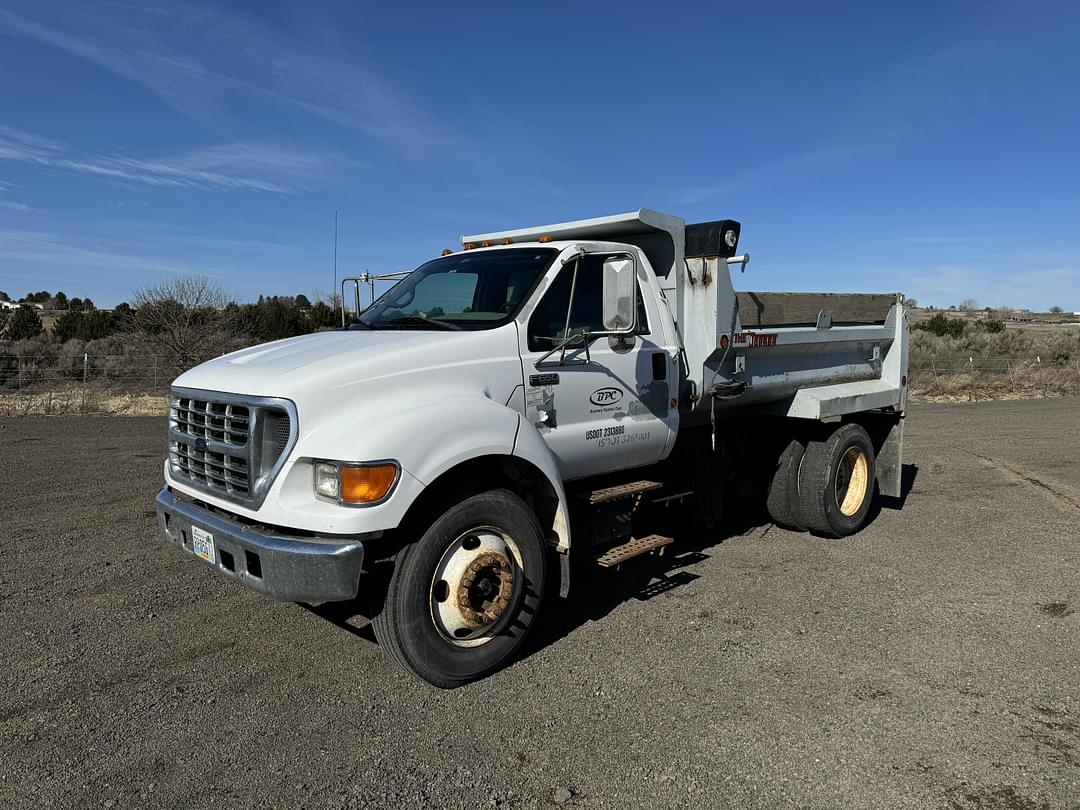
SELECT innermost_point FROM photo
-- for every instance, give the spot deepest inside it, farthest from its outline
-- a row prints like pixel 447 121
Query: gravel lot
pixel 930 661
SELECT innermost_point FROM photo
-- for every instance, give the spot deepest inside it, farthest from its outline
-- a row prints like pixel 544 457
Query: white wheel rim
pixel 475 586
pixel 852 481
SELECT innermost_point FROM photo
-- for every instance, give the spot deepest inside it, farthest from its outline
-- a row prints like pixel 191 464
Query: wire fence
pixel 84 382
pixel 976 378
pixel 991 365
pixel 119 373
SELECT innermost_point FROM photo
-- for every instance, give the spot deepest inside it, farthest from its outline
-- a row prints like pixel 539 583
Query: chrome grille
pixel 229 446
pixel 222 471
pixel 220 421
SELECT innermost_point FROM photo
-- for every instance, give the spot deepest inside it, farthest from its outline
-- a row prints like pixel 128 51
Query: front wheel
pixel 463 597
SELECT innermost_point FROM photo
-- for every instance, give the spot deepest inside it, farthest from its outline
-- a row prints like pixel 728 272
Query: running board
pixel 621 491
pixel 633 547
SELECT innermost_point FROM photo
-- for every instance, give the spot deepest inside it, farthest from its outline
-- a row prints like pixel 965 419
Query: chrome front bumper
pixel 297 569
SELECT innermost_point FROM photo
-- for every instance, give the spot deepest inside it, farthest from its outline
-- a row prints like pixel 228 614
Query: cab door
pixel 606 406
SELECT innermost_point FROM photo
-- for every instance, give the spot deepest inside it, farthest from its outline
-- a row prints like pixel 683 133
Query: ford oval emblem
pixel 606 396
pixel 200 443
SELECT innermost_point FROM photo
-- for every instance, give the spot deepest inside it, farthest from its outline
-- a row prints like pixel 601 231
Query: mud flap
pixel 890 458
pixel 564 575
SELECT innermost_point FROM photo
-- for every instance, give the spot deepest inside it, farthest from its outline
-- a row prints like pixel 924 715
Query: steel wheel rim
pixel 852 481
pixel 476 586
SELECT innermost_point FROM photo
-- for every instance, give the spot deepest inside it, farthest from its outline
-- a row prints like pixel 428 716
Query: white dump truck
pixel 539 401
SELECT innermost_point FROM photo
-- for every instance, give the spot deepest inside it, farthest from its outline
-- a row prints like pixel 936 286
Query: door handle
pixel 659 365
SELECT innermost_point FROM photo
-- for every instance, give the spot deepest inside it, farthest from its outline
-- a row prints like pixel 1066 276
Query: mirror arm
pixel 570 310
pixel 562 344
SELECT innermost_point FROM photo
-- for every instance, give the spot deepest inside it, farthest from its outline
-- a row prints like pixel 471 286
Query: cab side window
pixel 548 324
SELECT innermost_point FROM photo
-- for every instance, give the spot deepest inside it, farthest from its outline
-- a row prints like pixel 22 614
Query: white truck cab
pixel 538 401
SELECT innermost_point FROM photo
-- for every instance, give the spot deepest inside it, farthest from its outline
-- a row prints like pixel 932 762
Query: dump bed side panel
pixel 798 308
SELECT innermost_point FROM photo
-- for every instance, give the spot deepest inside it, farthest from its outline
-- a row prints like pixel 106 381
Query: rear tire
pixel 783 497
pixel 836 482
pixel 463 597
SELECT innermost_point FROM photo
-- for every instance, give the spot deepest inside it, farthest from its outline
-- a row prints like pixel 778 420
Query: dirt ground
pixel 930 661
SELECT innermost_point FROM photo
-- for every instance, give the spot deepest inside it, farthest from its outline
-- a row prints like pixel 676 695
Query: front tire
pixel 462 598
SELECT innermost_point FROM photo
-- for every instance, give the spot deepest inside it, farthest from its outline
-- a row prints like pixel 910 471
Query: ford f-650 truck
pixel 541 400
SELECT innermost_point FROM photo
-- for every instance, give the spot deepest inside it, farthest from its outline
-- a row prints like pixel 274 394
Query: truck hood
pixel 322 364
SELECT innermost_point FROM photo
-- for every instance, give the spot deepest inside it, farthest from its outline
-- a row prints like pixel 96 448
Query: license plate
pixel 202 543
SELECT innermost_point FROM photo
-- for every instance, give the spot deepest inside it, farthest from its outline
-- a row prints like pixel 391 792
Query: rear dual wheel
pixel 825 486
pixel 463 597
pixel 783 496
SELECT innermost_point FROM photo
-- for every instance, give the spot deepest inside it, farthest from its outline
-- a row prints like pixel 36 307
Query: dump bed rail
pixel 795 308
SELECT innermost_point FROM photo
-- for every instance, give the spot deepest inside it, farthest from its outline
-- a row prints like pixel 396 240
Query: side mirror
pixel 620 295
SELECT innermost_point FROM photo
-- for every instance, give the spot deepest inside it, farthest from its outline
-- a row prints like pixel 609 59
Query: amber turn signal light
pixel 367 484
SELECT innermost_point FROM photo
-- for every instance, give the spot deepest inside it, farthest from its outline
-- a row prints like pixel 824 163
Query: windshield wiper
pixel 420 319
pixel 361 323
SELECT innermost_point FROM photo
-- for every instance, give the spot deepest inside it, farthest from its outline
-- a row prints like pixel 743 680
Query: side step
pixel 621 491
pixel 633 547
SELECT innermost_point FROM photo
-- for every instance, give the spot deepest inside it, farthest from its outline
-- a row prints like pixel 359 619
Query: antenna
pixel 335 287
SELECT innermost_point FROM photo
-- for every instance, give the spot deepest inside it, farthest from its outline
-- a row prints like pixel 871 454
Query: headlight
pixel 355 484
pixel 327 482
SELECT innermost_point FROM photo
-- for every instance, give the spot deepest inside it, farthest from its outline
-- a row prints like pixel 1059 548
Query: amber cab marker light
pixel 486 243
pixel 469 245
pixel 366 484
pixel 508 241
pixel 545 238
pixel 446 252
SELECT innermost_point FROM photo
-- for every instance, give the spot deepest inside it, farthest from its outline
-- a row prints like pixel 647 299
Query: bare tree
pixel 969 305
pixel 1056 310
pixel 183 320
pixel 1005 312
pixel 912 303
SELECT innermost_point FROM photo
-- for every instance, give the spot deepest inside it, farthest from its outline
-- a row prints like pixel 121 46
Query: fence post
pixel 85 367
pixel 971 366
pixel 155 373
pixel 933 365
pixel 20 374
pixel 1038 360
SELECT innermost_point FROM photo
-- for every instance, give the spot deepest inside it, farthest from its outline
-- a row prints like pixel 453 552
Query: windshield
pixel 460 291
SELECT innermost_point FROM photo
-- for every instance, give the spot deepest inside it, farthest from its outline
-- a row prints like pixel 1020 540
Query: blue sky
pixel 931 148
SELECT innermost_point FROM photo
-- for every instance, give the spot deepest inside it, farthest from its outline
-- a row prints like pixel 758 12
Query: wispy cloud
pixel 1024 281
pixel 249 166
pixel 201 59
pixel 692 195
pixel 55 250
pixel 107 262
pixel 13 205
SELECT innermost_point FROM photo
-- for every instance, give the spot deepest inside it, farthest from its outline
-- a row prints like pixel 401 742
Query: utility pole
pixel 335 292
